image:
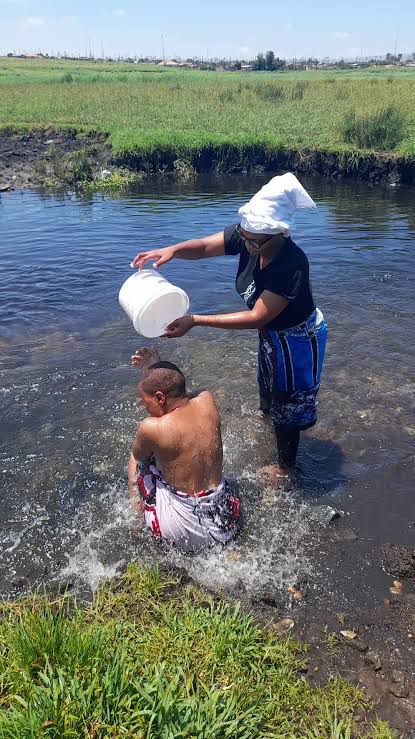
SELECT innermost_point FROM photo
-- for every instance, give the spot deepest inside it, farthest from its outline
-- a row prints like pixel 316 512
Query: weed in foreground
pixel 149 658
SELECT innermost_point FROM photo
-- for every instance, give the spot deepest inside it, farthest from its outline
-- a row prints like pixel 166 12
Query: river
pixel 68 403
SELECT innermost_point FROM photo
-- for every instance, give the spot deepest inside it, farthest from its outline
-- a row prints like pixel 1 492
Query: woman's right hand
pixel 157 256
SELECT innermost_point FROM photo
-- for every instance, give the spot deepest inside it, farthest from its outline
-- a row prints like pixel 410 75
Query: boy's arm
pixel 143 444
pixel 132 479
pixel 141 450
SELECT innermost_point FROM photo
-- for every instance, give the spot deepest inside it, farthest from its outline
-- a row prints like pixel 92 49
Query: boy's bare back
pixel 187 444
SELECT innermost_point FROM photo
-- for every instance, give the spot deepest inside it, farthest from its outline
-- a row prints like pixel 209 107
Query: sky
pixel 209 29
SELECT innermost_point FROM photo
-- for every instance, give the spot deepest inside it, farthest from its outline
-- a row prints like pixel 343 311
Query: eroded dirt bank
pixel 66 158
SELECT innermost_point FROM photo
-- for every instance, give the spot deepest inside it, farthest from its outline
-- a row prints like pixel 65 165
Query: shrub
pixel 383 129
pixel 67 77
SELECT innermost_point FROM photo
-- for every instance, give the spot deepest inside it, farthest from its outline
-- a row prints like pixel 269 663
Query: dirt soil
pixel 21 152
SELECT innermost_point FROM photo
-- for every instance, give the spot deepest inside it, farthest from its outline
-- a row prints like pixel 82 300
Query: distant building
pixel 169 63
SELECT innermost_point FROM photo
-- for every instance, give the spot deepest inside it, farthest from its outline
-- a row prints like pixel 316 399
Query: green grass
pixel 182 111
pixel 147 659
pixel 383 129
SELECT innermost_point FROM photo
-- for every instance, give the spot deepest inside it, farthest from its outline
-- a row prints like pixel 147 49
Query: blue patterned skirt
pixel 289 370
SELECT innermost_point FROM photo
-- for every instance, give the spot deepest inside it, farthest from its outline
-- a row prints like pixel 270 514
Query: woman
pixel 273 279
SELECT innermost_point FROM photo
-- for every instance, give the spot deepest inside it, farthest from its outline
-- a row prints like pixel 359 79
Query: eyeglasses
pixel 255 244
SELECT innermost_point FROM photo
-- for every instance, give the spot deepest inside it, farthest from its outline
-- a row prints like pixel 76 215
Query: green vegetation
pixel 150 659
pixel 71 169
pixel 118 181
pixel 179 113
pixel 78 169
pixel 382 130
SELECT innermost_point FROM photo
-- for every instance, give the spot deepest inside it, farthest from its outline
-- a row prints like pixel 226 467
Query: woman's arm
pixel 208 246
pixel 267 307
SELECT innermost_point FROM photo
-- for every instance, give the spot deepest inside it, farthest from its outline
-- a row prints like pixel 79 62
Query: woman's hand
pixel 142 358
pixel 179 327
pixel 158 256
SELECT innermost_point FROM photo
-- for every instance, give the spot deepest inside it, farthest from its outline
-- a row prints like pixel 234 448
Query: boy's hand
pixel 143 358
pixel 136 503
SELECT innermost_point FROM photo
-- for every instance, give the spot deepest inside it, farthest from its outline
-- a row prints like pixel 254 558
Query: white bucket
pixel 151 302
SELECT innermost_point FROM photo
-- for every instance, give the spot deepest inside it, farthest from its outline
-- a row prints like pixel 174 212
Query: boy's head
pixel 160 386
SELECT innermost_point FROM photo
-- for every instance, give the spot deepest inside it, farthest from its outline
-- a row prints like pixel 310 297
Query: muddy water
pixel 67 392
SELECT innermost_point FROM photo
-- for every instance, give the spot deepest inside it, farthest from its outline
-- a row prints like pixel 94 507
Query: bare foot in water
pixel 274 475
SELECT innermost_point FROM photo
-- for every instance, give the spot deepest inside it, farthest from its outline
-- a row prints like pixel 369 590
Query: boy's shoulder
pixel 148 426
pixel 203 396
pixel 206 402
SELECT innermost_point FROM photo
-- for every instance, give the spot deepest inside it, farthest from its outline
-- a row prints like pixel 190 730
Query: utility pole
pixel 162 48
pixel 396 42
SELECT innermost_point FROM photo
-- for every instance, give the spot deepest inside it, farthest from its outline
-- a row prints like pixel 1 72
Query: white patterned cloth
pixel 189 522
pixel 272 209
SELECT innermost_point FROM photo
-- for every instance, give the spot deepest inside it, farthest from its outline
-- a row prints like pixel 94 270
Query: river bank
pixel 150 655
pixel 182 123
pixel 67 158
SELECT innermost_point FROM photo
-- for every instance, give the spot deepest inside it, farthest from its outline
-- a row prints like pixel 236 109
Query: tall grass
pixel 269 91
pixel 382 130
pixel 184 111
pixel 150 659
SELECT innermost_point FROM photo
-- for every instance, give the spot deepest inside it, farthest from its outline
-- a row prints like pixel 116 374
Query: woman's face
pixel 257 243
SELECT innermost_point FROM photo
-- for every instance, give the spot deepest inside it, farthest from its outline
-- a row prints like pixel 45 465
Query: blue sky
pixel 209 28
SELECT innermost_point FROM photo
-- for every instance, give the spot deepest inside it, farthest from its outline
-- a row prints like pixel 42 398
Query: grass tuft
pixel 67 77
pixel 150 658
pixel 298 89
pixel 269 91
pixel 382 130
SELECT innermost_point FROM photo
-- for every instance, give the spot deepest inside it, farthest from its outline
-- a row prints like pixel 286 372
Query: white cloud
pixel 33 22
pixel 342 34
pixel 118 12
pixel 244 50
pixel 288 26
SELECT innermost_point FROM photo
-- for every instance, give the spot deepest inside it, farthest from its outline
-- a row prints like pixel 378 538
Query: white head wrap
pixel 272 209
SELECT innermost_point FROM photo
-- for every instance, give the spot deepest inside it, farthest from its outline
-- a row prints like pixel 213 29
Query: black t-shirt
pixel 287 275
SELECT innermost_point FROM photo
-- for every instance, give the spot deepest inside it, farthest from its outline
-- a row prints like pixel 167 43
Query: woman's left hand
pixel 179 327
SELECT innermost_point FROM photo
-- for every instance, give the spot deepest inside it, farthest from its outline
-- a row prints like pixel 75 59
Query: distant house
pixel 246 67
pixel 169 63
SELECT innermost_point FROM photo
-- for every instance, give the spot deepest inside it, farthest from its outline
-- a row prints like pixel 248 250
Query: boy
pixel 178 447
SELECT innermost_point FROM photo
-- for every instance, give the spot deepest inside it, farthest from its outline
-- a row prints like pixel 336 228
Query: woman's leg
pixel 288 439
